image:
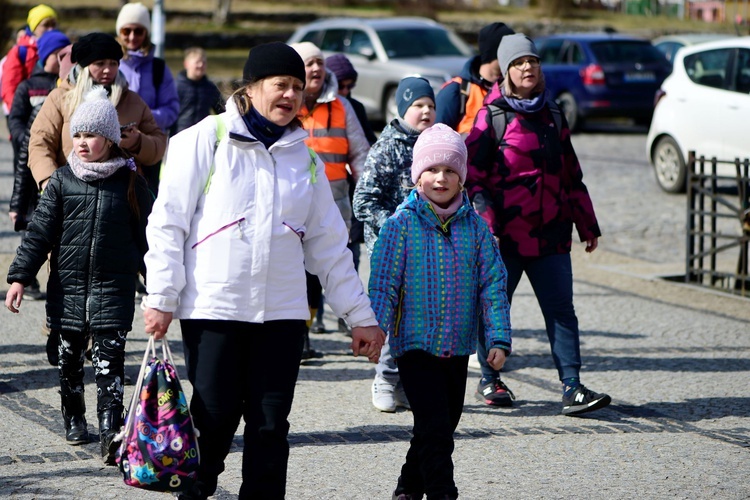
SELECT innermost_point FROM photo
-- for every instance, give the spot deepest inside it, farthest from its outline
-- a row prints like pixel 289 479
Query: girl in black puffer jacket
pixel 92 218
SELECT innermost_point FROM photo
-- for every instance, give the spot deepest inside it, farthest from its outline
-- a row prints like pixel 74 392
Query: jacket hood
pixel 495 97
pixel 395 132
pixel 330 88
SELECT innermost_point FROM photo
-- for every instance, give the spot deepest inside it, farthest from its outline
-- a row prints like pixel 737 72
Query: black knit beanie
pixel 95 47
pixel 489 40
pixel 273 59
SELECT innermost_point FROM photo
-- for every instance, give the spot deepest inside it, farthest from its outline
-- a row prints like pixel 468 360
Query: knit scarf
pixel 443 213
pixel 262 129
pixel 94 171
pixel 531 105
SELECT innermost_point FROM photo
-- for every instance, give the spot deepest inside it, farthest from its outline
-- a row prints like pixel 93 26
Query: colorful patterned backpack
pixel 159 449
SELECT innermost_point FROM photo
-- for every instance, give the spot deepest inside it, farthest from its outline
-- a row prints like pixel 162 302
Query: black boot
pixel 74 417
pixel 110 422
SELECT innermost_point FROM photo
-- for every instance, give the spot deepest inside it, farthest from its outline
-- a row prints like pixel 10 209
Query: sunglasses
pixel 136 31
pixel 347 87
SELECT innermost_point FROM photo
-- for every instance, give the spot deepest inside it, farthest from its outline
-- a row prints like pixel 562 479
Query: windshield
pixel 419 42
pixel 626 52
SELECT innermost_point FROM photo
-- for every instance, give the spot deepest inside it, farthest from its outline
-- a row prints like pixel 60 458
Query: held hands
pixel 15 296
pixel 368 341
pixel 496 358
pixel 157 322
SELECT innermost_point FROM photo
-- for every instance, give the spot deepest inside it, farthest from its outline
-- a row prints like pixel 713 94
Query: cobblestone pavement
pixel 675 358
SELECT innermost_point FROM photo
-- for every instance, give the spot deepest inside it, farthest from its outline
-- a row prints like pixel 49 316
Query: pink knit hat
pixel 439 145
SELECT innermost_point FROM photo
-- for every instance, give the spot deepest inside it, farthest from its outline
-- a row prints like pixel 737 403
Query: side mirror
pixel 367 52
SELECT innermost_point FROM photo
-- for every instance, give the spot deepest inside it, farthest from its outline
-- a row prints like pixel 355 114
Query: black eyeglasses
pixel 347 86
pixel 520 63
pixel 138 31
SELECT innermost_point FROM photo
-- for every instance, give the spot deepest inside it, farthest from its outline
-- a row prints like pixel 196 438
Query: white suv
pixel 703 106
pixel 383 51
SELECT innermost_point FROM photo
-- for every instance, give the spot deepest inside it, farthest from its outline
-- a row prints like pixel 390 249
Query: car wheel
pixel 669 166
pixel 390 110
pixel 569 107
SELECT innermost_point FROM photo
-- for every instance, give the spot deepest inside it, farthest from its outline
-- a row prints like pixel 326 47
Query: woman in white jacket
pixel 244 208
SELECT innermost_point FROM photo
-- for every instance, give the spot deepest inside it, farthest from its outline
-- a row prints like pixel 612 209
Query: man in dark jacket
pixel 198 95
pixel 460 99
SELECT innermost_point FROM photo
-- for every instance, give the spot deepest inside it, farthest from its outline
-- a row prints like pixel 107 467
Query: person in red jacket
pixel 22 58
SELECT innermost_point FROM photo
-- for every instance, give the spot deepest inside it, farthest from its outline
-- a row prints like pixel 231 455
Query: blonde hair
pixel 245 104
pixel 190 51
pixel 84 83
pixel 509 90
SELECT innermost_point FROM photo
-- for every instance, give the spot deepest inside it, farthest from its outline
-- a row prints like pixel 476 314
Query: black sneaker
pixel 318 327
pixel 34 292
pixel 494 393
pixel 584 400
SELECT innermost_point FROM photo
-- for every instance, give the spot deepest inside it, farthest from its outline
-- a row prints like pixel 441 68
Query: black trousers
pixel 108 358
pixel 246 370
pixel 429 467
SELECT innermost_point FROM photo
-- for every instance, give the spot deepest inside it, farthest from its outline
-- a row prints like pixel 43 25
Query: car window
pixel 742 84
pixel 311 36
pixel 334 40
pixel 668 49
pixel 359 42
pixel 708 67
pixel 625 51
pixel 575 54
pixel 401 43
pixel 549 52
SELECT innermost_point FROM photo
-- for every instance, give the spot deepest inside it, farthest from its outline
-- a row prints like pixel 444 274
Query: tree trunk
pixel 221 11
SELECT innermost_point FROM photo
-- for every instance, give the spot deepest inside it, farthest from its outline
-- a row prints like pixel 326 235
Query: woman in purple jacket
pixel 147 76
pixel 525 181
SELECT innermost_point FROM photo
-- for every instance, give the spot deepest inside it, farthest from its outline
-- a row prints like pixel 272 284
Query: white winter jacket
pixel 234 244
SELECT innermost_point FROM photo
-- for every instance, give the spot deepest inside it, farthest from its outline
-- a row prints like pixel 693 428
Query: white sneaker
pixel 400 397
pixel 382 395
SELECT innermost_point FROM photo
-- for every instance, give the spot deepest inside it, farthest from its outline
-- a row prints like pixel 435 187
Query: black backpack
pixel 500 120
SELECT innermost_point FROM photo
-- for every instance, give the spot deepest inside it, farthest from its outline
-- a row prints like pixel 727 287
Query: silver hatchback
pixel 383 51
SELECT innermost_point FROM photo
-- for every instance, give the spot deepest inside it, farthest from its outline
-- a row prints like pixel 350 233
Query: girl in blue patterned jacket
pixel 436 274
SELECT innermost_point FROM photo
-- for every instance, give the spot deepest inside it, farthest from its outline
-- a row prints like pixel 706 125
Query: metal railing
pixel 718 224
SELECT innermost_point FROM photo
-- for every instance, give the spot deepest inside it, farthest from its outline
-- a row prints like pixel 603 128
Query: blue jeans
pixel 551 277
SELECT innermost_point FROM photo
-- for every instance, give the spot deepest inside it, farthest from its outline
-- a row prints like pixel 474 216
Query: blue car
pixel 602 75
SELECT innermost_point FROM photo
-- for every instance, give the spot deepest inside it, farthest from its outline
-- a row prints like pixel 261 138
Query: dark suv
pixel 602 75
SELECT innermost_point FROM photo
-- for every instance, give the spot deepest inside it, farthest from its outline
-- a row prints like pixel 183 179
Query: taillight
pixel 593 74
pixel 658 95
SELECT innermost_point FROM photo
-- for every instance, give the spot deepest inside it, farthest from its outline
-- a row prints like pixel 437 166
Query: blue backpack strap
pixel 23 51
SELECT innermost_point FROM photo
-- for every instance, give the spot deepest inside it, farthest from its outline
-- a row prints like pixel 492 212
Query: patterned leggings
pixel 108 358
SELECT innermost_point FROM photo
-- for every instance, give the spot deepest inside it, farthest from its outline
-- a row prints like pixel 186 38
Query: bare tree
pixel 221 11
